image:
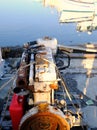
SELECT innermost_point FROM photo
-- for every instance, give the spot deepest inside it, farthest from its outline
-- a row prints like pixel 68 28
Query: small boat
pixel 75 16
pixel 85 22
pixel 82 12
pixel 71 5
pixel 87 26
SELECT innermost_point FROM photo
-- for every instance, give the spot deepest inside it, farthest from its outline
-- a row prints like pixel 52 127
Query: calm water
pixel 27 20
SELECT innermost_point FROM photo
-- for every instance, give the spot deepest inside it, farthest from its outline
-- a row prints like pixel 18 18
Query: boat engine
pixel 34 105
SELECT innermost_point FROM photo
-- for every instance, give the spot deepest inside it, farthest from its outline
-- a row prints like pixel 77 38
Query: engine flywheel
pixel 44 117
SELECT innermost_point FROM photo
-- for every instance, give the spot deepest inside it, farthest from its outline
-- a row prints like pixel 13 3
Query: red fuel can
pixel 16 110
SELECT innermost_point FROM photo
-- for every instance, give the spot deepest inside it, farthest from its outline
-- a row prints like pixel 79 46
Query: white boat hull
pixel 74 16
pixel 70 5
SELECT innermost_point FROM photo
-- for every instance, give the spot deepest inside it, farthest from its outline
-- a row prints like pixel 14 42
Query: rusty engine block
pixel 37 81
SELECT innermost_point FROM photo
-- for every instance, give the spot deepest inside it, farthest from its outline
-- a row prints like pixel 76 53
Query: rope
pixel 13 78
pixel 4 85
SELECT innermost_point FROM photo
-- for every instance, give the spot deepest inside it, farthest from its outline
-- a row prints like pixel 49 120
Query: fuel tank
pixel 16 110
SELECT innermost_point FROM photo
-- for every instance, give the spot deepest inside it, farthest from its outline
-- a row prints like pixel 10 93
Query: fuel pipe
pixel 64 53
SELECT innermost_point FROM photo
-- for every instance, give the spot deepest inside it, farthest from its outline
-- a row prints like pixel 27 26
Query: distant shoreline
pixel 11 51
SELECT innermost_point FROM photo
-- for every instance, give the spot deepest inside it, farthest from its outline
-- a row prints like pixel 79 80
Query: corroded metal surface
pixel 54 97
pixel 44 117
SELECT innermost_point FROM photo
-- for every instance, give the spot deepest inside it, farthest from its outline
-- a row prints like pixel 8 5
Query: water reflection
pixel 26 20
pixel 83 12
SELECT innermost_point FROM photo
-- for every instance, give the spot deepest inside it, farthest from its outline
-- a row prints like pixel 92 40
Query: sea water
pixel 26 20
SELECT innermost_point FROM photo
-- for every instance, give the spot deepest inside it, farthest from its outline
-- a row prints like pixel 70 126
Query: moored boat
pixel 82 12
pixel 73 5
pixel 75 16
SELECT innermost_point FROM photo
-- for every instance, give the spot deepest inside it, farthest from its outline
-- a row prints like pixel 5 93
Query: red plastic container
pixel 16 110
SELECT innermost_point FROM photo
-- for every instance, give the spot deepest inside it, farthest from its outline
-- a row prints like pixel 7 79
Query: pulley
pixel 44 117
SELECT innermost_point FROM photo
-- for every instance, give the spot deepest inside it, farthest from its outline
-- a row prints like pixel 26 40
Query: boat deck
pixel 81 79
